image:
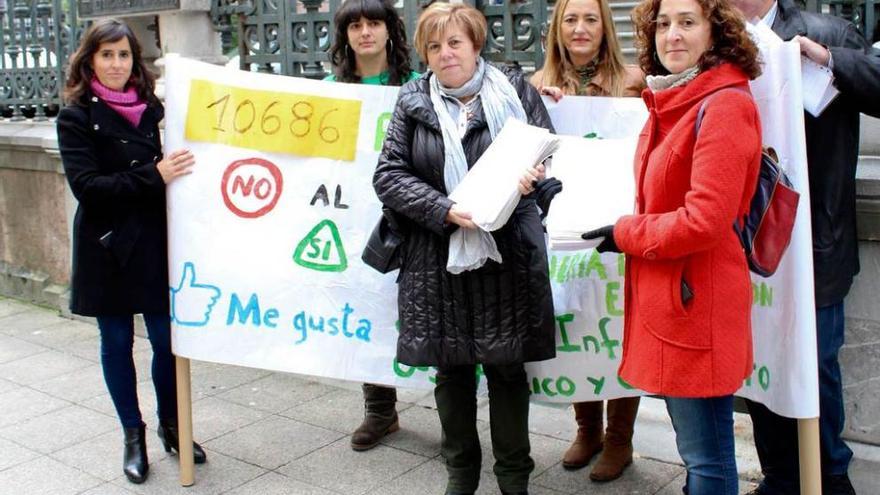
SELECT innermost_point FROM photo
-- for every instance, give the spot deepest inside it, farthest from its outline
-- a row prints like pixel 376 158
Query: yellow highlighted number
pixel 302 125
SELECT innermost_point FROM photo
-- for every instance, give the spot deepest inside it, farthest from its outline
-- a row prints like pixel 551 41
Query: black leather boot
pixel 134 462
pixel 380 417
pixel 168 435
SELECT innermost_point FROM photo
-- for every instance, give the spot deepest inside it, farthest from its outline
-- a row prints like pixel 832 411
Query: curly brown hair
pixel 80 71
pixel 730 40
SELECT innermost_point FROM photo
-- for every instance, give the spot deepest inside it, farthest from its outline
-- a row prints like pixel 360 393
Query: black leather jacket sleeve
pixel 857 71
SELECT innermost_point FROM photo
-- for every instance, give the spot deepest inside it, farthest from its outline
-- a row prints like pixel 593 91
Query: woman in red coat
pixel 688 291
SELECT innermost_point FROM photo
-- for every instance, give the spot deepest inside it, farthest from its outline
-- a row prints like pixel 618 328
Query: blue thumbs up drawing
pixel 191 303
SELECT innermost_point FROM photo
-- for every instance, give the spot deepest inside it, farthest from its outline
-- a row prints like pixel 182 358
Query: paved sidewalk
pixel 275 433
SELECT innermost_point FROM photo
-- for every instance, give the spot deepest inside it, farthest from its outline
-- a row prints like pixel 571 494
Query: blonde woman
pixel 584 59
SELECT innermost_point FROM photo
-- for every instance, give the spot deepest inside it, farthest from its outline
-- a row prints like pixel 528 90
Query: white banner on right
pixel 783 313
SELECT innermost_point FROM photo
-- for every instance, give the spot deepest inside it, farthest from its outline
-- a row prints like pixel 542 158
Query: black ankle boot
pixel 134 462
pixel 168 434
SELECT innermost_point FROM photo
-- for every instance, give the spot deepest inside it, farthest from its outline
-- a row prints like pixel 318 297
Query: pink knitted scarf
pixel 126 103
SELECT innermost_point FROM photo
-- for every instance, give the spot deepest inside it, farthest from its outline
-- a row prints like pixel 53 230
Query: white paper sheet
pixel 489 190
pixel 597 188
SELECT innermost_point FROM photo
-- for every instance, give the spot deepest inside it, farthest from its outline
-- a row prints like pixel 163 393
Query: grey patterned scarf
pixel 470 248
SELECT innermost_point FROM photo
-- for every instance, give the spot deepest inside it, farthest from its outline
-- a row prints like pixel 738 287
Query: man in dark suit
pixel 832 155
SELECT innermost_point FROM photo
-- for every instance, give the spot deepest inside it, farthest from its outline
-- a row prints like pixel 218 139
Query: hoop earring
pixel 390 45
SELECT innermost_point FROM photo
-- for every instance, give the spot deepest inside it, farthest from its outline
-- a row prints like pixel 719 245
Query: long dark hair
pixel 397 50
pixel 80 72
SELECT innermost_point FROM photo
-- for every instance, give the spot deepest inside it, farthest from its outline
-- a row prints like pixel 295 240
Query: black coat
pixel 833 144
pixel 497 314
pixel 111 168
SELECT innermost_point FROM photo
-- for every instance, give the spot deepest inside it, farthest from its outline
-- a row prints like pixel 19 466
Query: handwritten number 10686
pixel 302 116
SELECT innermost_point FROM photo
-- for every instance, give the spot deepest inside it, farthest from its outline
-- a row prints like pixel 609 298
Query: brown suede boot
pixel 588 441
pixel 380 417
pixel 618 451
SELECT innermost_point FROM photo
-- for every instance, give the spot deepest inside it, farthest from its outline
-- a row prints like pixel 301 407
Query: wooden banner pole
pixel 808 451
pixel 184 422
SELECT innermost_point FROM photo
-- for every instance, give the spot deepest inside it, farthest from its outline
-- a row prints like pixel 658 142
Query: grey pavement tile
pixel 76 386
pixel 41 366
pixel 674 487
pixel 340 410
pixel 219 475
pixel 61 334
pixel 546 452
pixel 553 420
pixel 6 386
pixel 58 429
pixel 107 489
pixel 13 348
pixel 11 454
pixel 276 392
pixel 273 441
pixel 426 479
pixel 337 467
pixel 430 479
pixel 143 363
pixel 24 403
pixel 212 378
pixel 11 306
pixel 23 322
pixel 213 417
pixel 644 476
pixel 45 476
pixel 419 432
pixel 865 475
pixel 273 483
pixel 416 396
pixel 89 349
pixel 101 456
pixel 146 402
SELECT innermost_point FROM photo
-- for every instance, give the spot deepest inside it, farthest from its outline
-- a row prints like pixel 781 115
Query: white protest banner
pixel 265 239
pixel 783 313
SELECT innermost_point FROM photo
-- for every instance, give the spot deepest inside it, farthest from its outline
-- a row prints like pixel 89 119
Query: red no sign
pixel 251 187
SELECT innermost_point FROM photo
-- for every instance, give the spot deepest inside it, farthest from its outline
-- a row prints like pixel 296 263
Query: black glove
pixel 607 243
pixel 545 191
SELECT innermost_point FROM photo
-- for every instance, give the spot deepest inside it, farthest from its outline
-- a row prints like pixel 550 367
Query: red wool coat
pixel 689 191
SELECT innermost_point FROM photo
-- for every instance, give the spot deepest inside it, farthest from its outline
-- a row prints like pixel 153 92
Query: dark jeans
pixel 776 436
pixel 117 339
pixel 704 436
pixel 456 395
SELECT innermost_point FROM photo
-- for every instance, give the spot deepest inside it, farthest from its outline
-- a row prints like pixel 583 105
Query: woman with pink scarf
pixel 108 136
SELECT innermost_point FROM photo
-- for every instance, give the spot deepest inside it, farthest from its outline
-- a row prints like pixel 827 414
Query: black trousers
pixel 456 395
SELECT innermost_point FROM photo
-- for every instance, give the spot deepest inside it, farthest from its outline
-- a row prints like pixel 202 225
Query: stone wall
pixel 35 215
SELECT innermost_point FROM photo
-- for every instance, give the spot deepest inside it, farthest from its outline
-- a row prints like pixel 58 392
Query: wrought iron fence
pixel 37 37
pixel 283 36
pixel 293 36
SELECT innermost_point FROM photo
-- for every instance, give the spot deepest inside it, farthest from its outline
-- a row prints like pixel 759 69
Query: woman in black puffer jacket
pixel 499 315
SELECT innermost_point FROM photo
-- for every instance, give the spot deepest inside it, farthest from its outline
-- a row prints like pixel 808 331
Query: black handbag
pixel 382 250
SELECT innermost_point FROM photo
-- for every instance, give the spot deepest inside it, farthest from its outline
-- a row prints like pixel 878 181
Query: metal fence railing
pixel 281 36
pixel 37 37
pixel 292 37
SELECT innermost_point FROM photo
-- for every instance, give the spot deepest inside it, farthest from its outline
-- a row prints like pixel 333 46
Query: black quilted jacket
pixel 498 314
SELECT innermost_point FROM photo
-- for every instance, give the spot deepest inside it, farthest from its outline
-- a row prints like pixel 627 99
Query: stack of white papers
pixel 818 86
pixel 597 188
pixel 489 190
